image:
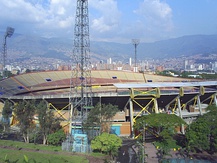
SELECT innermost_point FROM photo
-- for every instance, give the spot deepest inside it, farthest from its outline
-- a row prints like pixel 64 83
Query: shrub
pixel 56 138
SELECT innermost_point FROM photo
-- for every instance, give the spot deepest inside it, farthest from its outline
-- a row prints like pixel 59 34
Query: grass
pixel 17 144
pixel 42 154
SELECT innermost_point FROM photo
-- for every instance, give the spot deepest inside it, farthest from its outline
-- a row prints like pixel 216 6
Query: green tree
pixel 7 74
pixel 6 114
pixel 57 137
pixel 107 143
pixel 48 123
pixel 25 111
pixel 163 126
pixel 202 133
pixel 100 118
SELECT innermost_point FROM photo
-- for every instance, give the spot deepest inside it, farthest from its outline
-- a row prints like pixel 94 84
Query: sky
pixel 112 20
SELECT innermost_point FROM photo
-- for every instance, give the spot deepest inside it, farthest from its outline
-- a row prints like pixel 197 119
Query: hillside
pixel 61 48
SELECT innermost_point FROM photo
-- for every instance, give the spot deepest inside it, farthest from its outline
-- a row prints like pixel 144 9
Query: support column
pixel 179 107
pixel 215 100
pixel 156 106
pixel 180 114
pixel 70 119
pixel 199 104
pixel 131 119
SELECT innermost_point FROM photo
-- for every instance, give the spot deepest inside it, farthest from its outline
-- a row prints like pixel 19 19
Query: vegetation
pixel 201 134
pixel 48 124
pixel 20 152
pixel 107 143
pixel 187 74
pixel 7 74
pixel 99 118
pixel 209 76
pixel 163 126
pixel 36 122
pixel 6 114
pixel 57 137
pixel 25 112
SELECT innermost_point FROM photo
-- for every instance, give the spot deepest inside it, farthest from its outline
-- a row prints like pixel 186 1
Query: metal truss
pixel 81 91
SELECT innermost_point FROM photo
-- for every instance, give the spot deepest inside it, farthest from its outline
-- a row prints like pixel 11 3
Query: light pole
pixel 135 43
pixel 9 32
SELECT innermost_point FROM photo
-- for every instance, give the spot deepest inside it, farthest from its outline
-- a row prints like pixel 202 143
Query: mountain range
pixel 61 48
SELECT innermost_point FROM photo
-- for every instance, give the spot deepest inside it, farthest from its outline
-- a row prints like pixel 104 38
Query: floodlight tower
pixel 135 43
pixel 9 32
pixel 81 91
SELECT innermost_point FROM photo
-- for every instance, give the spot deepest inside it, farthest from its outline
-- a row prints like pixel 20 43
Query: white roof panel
pixel 166 84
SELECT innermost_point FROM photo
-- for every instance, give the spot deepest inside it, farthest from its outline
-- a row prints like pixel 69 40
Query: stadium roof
pixel 166 84
pixel 58 82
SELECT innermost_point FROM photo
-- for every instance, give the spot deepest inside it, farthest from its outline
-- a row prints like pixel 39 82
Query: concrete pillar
pixel 156 106
pixel 70 119
pixel 179 107
pixel 215 100
pixel 199 104
pixel 131 119
pixel 180 114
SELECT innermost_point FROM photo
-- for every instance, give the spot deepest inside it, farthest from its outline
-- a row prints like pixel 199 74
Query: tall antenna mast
pixel 135 43
pixel 81 91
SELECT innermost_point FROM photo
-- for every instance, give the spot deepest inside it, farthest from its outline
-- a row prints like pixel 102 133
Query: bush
pixel 107 143
pixel 56 138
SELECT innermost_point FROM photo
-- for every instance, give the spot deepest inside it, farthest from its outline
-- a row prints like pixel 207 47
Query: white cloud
pixel 56 18
pixel 157 15
pixel 109 15
pixel 38 15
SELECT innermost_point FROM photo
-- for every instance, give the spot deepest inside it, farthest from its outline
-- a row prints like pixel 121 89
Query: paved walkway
pixel 151 151
pixel 127 153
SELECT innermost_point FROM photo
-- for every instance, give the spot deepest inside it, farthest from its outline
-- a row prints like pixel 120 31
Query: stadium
pixel 134 93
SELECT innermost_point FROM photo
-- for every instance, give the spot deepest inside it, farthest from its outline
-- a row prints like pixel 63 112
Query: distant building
pixel 160 68
pixel 186 64
pixel 109 61
pixel 130 61
pixel 65 67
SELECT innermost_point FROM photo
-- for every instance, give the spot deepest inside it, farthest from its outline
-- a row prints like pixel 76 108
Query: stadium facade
pixel 134 93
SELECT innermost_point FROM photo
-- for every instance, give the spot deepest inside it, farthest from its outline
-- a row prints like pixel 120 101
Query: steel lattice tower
pixel 81 91
pixel 9 32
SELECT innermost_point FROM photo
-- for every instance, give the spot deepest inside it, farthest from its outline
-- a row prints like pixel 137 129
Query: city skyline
pixel 112 20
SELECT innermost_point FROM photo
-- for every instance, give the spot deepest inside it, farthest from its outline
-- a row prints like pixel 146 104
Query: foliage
pixel 47 122
pixel 107 143
pixel 25 111
pixel 168 72
pixel 202 133
pixel 100 117
pixel 163 126
pixel 56 138
pixel 159 122
pixel 7 74
pixel 6 114
pixel 209 76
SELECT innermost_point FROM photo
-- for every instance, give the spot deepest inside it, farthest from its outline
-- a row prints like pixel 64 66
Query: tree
pixel 48 123
pixel 107 143
pixel 202 133
pixel 25 111
pixel 57 137
pixel 163 126
pixel 100 117
pixel 6 114
pixel 7 74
